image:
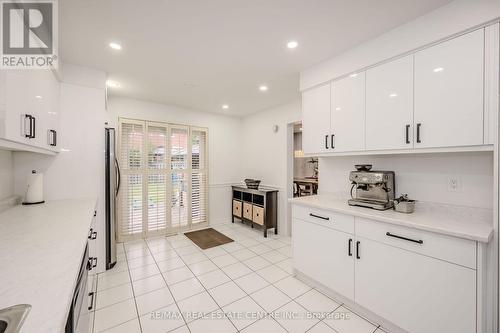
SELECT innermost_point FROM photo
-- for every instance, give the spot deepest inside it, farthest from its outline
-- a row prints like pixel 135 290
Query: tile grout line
pixel 133 291
pixel 169 290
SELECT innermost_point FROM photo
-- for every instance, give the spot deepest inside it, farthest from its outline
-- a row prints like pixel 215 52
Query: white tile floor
pixel 170 285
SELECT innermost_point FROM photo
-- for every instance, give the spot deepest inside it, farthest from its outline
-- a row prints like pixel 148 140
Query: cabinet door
pixel 17 87
pixel 316 120
pixel 348 113
pixel 389 105
pixel 449 93
pixel 418 293
pixel 323 254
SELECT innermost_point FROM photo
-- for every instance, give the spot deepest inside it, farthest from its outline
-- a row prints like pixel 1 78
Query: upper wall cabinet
pixel 316 120
pixel 449 93
pixel 348 113
pixel 29 117
pixel 389 105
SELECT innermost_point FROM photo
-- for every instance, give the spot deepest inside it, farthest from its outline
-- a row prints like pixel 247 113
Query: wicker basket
pixel 252 184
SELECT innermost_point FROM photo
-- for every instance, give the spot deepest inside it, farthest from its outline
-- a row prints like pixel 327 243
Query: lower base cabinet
pixel 323 254
pixel 418 293
pixel 392 278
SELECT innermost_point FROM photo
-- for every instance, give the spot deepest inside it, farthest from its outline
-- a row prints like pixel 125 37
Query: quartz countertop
pixel 463 222
pixel 41 249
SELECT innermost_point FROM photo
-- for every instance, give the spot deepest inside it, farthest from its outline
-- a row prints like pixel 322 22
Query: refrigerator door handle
pixel 119 177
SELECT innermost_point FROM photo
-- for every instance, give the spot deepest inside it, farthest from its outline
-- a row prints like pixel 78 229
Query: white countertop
pixel 464 222
pixel 41 248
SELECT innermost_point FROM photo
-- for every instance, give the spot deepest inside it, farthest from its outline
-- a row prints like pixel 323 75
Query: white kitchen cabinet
pixel 29 105
pixel 347 118
pixel 389 105
pixel 449 93
pixel 418 293
pixel 324 254
pixel 316 120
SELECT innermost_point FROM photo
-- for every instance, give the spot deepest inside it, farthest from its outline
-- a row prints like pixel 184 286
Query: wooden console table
pixel 256 207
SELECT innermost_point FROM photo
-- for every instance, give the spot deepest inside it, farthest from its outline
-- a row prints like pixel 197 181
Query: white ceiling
pixel 202 54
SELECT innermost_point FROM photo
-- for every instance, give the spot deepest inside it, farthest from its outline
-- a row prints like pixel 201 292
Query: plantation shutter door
pixel 199 176
pixel 157 179
pixel 131 197
pixel 179 164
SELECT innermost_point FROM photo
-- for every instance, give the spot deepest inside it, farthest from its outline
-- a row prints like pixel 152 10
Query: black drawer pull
pixel 404 238
pixel 91 294
pixel 91 231
pixel 357 250
pixel 319 217
pixel 349 248
pixel 94 262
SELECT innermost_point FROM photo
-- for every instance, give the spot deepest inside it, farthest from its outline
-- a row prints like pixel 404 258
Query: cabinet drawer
pixel 258 215
pixel 451 249
pixel 326 218
pixel 247 211
pixel 237 208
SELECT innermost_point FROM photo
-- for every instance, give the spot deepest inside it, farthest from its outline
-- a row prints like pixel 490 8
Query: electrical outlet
pixel 454 184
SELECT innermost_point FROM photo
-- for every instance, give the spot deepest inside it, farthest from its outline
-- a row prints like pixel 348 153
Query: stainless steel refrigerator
pixel 112 180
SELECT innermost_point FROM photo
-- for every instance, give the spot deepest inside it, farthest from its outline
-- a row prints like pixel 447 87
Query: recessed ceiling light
pixel 115 46
pixel 38 97
pixel 263 88
pixel 393 95
pixel 338 108
pixel 225 106
pixel 438 69
pixel 112 84
pixel 292 44
pixel 353 75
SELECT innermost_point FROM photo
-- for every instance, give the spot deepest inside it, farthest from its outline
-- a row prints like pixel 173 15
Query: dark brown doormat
pixel 207 238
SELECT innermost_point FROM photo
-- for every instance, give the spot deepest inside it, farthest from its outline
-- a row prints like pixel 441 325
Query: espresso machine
pixel 373 189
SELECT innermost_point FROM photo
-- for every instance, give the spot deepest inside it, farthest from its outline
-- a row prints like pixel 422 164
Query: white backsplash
pixel 6 174
pixel 423 177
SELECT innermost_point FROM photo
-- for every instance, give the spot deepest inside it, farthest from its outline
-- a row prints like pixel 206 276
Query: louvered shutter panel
pixel 179 136
pixel 157 170
pixel 131 191
pixel 199 175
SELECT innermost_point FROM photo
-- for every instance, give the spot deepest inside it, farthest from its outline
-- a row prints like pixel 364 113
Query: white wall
pixel 6 174
pixel 422 176
pixel 447 20
pixel 224 138
pixel 265 152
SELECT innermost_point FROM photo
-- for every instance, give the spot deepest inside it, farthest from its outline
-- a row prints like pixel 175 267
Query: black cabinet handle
pixel 94 235
pixel 332 141
pixel 89 264
pixel 90 233
pixel 94 260
pixel 326 141
pixel 419 241
pixel 357 250
pixel 95 213
pixel 91 294
pixel 349 247
pixel 52 138
pixel 319 217
pixel 33 134
pixel 418 132
pixel 30 133
pixel 408 134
